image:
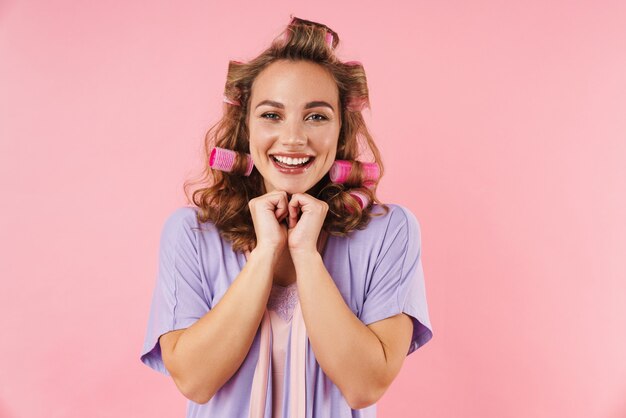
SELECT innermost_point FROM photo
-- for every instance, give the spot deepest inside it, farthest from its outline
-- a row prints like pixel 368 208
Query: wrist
pixel 305 258
pixel 265 254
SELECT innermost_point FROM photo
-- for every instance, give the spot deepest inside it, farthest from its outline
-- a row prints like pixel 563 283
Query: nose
pixel 293 134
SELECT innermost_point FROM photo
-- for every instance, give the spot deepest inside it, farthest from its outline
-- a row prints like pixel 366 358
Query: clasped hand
pixel 296 222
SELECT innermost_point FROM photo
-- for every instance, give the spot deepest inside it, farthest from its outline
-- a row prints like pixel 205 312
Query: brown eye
pixel 269 115
pixel 321 117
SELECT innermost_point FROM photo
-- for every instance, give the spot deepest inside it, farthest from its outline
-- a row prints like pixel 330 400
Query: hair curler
pixel 230 101
pixel 224 160
pixel 361 198
pixel 329 39
pixel 357 104
pixel 340 171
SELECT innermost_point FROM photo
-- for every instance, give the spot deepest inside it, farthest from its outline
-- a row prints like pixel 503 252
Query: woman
pixel 286 292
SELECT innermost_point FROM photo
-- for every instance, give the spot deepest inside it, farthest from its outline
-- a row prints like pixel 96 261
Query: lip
pixel 283 154
pixel 295 170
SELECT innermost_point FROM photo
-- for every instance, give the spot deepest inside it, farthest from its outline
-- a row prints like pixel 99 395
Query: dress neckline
pixel 284 287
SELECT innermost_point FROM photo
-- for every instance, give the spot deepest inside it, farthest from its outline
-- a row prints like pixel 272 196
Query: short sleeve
pixel 178 298
pixel 397 282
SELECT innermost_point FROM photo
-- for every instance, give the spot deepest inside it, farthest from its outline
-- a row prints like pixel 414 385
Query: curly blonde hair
pixel 223 196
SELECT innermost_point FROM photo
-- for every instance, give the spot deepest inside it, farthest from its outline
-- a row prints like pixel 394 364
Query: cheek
pixel 328 144
pixel 260 138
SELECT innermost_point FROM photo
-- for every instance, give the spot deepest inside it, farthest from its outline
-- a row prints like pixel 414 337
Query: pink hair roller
pixel 340 171
pixel 231 101
pixel 361 198
pixel 369 184
pixel 224 159
pixel 356 104
pixel 329 39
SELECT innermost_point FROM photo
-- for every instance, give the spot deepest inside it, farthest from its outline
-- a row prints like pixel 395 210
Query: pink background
pixel 502 126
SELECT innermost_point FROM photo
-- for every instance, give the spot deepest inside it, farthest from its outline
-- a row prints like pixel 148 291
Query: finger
pixel 300 200
pixel 293 216
pixel 309 206
pixel 303 201
pixel 294 207
pixel 273 201
pixel 280 210
pixel 283 217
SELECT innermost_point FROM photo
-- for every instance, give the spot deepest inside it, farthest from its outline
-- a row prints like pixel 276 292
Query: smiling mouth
pixel 291 165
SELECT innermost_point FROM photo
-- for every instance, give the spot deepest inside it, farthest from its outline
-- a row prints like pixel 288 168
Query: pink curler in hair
pixel 361 198
pixel 329 39
pixel 356 104
pixel 369 184
pixel 224 159
pixel 340 171
pixel 231 101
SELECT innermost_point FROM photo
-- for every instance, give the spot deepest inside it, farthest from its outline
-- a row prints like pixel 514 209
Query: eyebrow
pixel 318 103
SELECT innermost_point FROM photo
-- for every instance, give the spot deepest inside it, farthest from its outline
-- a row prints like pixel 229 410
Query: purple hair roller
pixel 224 160
pixel 340 171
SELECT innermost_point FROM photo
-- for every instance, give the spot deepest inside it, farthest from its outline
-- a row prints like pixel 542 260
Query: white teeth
pixel 292 161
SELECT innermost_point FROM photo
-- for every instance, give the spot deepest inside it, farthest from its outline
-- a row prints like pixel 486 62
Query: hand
pixel 303 233
pixel 268 212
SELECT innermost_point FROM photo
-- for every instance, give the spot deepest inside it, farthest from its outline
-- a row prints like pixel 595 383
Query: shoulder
pixel 397 220
pixel 182 218
pixel 183 222
pixel 395 231
pixel 185 215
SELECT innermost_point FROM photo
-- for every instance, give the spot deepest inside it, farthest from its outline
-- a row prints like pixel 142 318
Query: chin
pixel 293 187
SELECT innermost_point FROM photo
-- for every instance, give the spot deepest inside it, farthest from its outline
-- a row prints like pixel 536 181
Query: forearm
pixel 350 354
pixel 211 350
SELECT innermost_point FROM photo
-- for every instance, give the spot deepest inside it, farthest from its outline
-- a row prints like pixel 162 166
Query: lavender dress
pixel 377 270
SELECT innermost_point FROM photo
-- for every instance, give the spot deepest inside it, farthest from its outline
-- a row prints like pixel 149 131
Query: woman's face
pixel 294 123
